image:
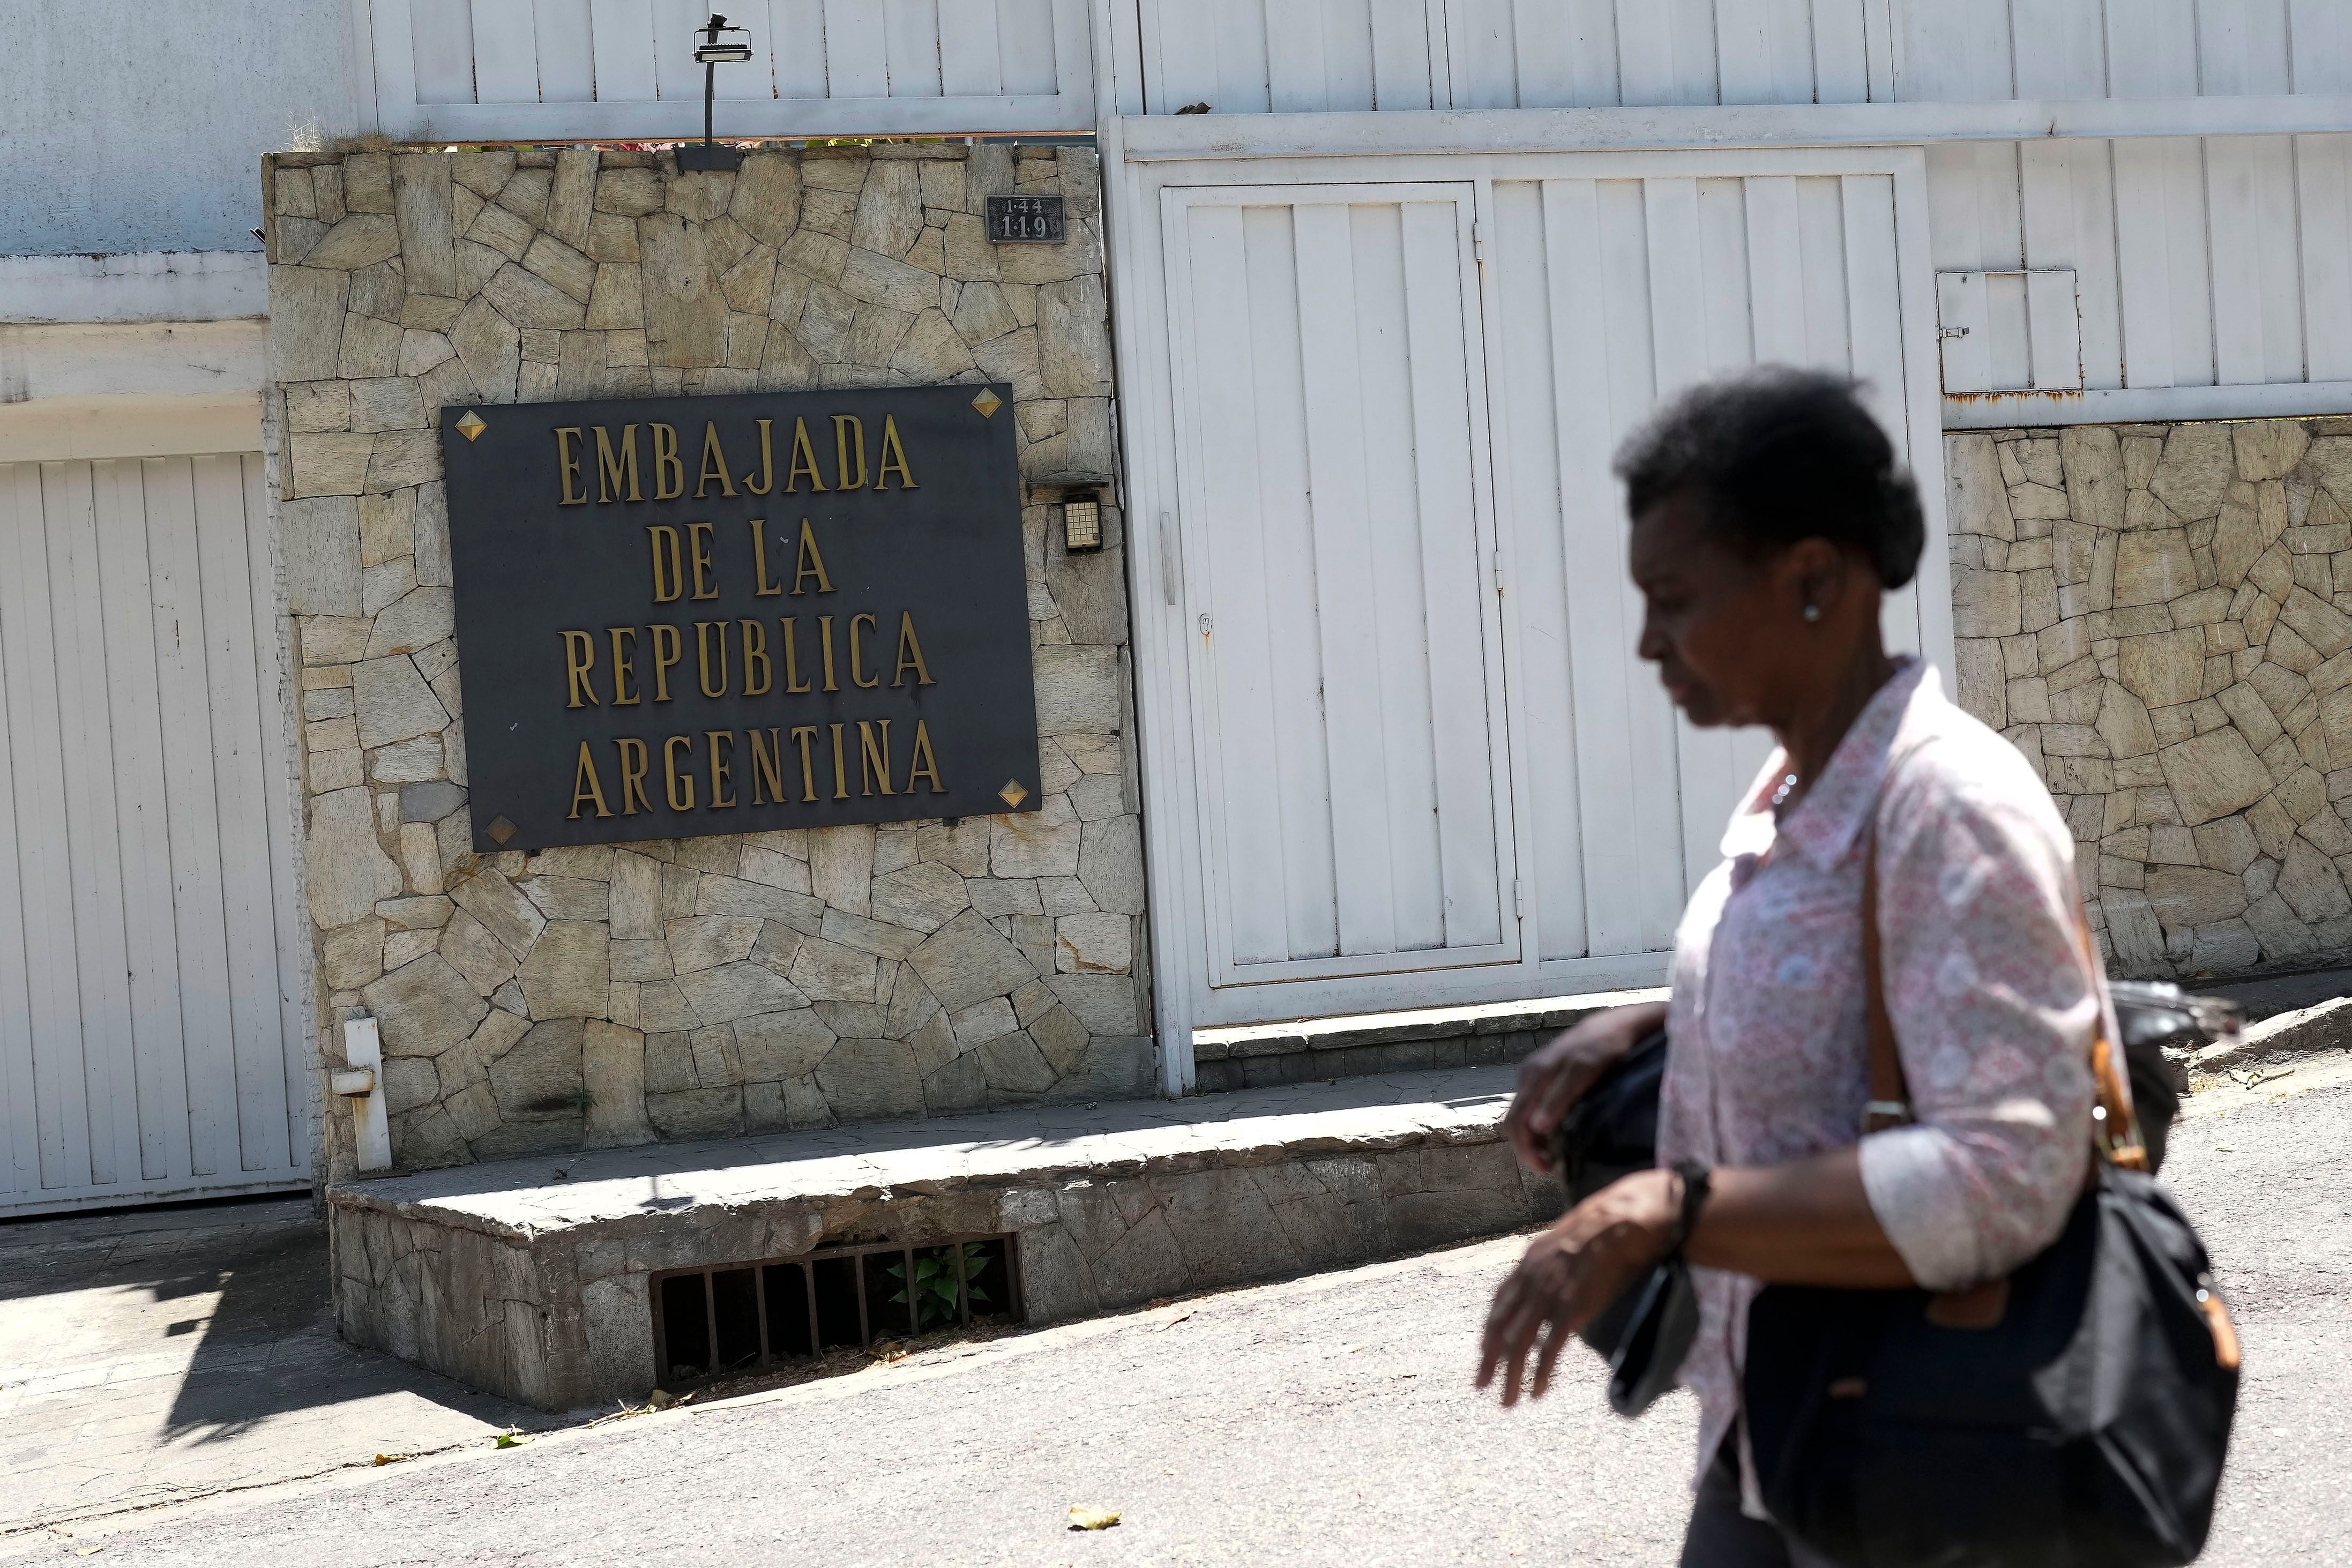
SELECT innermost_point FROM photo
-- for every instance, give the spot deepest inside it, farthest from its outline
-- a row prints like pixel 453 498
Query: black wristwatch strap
pixel 1697 1180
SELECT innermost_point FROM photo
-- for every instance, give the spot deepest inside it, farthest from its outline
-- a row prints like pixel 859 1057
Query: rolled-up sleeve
pixel 1993 1004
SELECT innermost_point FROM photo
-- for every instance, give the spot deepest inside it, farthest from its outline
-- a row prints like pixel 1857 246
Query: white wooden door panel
pixel 1347 700
pixel 151 1031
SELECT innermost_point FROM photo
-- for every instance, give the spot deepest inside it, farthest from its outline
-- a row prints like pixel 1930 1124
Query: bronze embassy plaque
pixel 681 616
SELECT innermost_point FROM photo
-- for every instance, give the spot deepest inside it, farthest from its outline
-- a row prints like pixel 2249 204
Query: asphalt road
pixel 1322 1421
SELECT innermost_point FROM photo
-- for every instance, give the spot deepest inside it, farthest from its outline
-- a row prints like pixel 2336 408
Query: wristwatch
pixel 1697 1180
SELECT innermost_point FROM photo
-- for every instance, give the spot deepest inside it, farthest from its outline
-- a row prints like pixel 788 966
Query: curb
pixel 2325 1025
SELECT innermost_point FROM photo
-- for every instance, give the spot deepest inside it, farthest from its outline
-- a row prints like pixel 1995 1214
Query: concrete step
pixel 1302 1050
pixel 533 1278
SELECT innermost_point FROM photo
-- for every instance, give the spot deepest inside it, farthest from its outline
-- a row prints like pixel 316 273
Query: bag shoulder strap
pixel 2115 1128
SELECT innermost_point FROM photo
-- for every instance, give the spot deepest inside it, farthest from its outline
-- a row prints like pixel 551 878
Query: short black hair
pixel 1781 454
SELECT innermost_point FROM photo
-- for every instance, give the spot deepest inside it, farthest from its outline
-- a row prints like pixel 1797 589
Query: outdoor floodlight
pixel 720 45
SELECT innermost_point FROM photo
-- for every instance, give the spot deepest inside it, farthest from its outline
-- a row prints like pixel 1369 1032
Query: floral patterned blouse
pixel 1991 997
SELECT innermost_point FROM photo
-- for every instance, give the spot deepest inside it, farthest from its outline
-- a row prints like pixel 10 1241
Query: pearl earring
pixel 1812 612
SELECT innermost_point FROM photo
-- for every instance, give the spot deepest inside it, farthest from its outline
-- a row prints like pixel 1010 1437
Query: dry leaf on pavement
pixel 1085 1518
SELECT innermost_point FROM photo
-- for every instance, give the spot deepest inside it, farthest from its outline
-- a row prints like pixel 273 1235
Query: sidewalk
pixel 170 1353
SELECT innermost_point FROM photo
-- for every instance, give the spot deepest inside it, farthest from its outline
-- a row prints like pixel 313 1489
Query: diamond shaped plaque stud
pixel 987 402
pixel 1012 794
pixel 471 425
pixel 499 830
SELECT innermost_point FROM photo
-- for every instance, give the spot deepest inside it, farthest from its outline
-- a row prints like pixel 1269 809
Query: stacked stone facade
pixel 703 987
pixel 2160 617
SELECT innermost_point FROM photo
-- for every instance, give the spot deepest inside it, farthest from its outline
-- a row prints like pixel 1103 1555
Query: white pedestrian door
pixel 150 1031
pixel 1401 750
pixel 1346 656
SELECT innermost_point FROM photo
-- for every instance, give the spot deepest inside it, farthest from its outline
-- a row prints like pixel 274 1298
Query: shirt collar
pixel 1825 824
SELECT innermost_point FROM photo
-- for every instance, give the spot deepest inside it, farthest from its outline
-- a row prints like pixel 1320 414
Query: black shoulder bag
pixel 2074 1414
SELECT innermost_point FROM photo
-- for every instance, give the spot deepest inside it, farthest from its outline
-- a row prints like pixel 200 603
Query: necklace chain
pixel 1780 794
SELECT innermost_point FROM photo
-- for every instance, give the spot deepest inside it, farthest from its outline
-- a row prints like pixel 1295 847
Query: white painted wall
pixel 140 127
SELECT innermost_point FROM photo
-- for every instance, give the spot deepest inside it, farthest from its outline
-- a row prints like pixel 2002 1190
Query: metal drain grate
pixel 739 1317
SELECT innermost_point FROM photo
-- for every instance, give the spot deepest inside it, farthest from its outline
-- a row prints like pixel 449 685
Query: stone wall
pixel 2160 617
pixel 703 987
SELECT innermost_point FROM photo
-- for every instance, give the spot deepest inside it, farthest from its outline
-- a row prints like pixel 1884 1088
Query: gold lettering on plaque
pixel 824 637
pixel 616 472
pixel 714 463
pixel 924 765
pixel 586 786
pixel 635 764
pixel 810 563
pixel 681 785
pixel 697 536
pixel 623 669
pixel 793 685
pixel 802 734
pixel 720 773
pixel 759 669
pixel 669 470
pixel 857 655
pixel 669 653
pixel 767 766
pixel 567 464
pixel 873 759
pixel 767 462
pixel 702 630
pixel 579 663
pixel 760 587
pixel 840 766
pixel 894 457
pixel 910 654
pixel 848 441
pixel 667 573
pixel 803 461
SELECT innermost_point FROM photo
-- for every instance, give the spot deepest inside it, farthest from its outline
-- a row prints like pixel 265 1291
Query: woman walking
pixel 1768 518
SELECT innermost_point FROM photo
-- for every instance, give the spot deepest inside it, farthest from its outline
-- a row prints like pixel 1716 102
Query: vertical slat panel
pixel 800 46
pixel 676 73
pixel 857 61
pixel 1956 51
pixel 1027 50
pixel 183 662
pixel 1183 46
pixel 622 33
pixel 441 38
pixel 1482 45
pixel 2060 48
pixel 2144 263
pixel 1347 53
pixel 2324 182
pixel 566 33
pixel 1723 273
pixel 235 664
pixel 1597 273
pixel 910 30
pixel 2321 59
pixel 1544 725
pixel 1402 78
pixel 1695 79
pixel 1471 766
pixel 506 53
pixel 1397 526
pixel 2242 47
pixel 1841 52
pixel 1744 34
pixel 1348 645
pixel 2237 244
pixel 143 829
pixel 2008 346
pixel 1776 268
pixel 1646 53
pixel 2185 230
pixel 1964 319
pixel 1821 219
pixel 1873 291
pixel 2056 326
pixel 747 81
pixel 2152 49
pixel 20 1128
pixel 1294 58
pixel 93 837
pixel 1547 55
pixel 1595 77
pixel 2282 273
pixel 969 50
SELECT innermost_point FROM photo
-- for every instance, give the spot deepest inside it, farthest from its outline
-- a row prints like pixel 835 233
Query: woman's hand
pixel 1564 1067
pixel 1572 1271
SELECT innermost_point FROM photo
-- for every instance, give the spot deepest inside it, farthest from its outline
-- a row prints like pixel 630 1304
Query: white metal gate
pixel 151 1031
pixel 1400 749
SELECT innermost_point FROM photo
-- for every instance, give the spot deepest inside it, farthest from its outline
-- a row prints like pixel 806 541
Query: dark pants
pixel 1720 1536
